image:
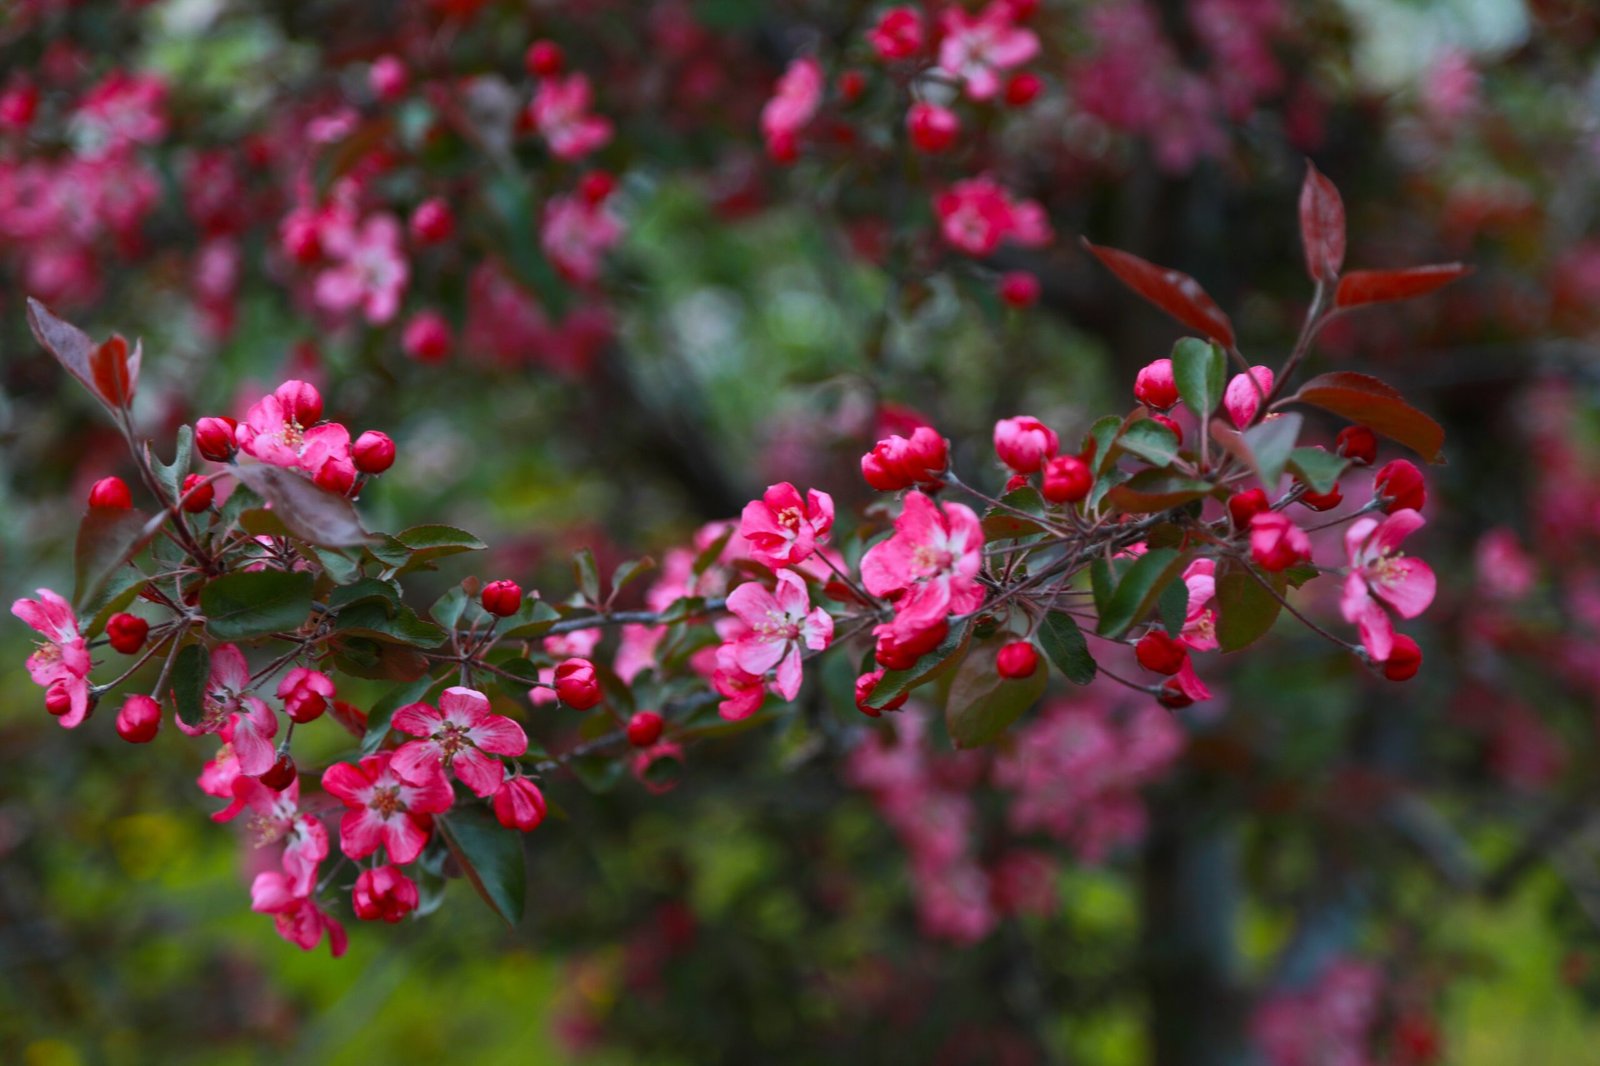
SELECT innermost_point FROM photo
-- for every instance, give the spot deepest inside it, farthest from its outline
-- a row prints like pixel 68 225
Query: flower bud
pixel 1016 660
pixel 852 83
pixel 596 187
pixel 1172 696
pixel 519 804
pixel 933 128
pixel 577 684
pixel 1066 479
pixel 338 476
pixel 384 892
pixel 111 493
pixel 1404 660
pixel 426 337
pixel 1019 289
pixel 644 729
pixel 301 401
pixel 281 774
pixel 139 719
pixel 1244 506
pixel 865 685
pixel 1024 443
pixel 1323 501
pixel 1155 386
pixel 544 59
pixel 372 452
pixel 1170 423
pixel 1016 481
pixel 126 632
pixel 898 462
pixel 214 438
pixel 432 222
pixel 503 598
pixel 1276 543
pixel 1158 652
pixel 1023 88
pixel 301 239
pixel 57 699
pixel 1357 444
pixel 388 78
pixel 197 493
pixel 1401 486
pixel 1242 400
pixel 901 653
pixel 305 693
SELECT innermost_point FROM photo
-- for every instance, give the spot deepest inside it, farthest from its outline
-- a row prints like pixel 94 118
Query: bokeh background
pixel 1327 869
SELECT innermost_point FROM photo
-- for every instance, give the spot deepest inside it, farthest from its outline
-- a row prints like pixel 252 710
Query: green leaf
pixel 1201 371
pixel 1150 491
pixel 1063 642
pixel 586 574
pixel 118 591
pixel 313 514
pixel 491 856
pixel 628 572
pixel 1139 589
pixel 171 475
pixel 1103 433
pixel 1173 607
pixel 1319 469
pixel 1150 441
pixel 340 567
pixel 368 589
pixel 191 674
pixel 248 604
pixel 1298 576
pixel 982 704
pixel 1245 610
pixel 1103 578
pixel 711 553
pixel 448 609
pixel 1001 524
pixel 1104 484
pixel 383 711
pixel 930 666
pixel 107 539
pixel 1271 442
pixel 241 499
pixel 533 619
pixel 428 543
pixel 376 621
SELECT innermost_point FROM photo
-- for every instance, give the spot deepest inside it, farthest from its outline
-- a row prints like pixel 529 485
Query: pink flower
pixel 1200 621
pixel 1276 543
pixel 932 561
pixel 1241 400
pixel 386 809
pixel 274 429
pixel 274 817
pixel 1024 443
pixel 976 48
pixel 369 269
pixel 298 918
pixel 384 892
pixel 459 732
pixel 793 104
pixel 249 722
pixel 741 691
pixel 576 234
pixel 1379 575
pixel 898 462
pixel 780 622
pixel 121 111
pixel 977 214
pixel 782 528
pixel 61 664
pixel 560 112
pixel 898 33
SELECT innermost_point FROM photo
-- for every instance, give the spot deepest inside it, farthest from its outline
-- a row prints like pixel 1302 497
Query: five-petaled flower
pixel 61 664
pixel 781 623
pixel 461 735
pixel 783 529
pixel 276 816
pixel 386 809
pixel 229 702
pixel 976 48
pixel 298 918
pixel 1379 575
pixel 931 564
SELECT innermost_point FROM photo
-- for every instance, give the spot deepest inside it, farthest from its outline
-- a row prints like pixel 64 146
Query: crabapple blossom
pixel 1024 443
pixel 297 917
pixel 372 452
pixel 1019 289
pixel 518 804
pixel 214 438
pixel 560 111
pixel 426 337
pixel 976 48
pixel 126 632
pixel 384 892
pixel 1242 398
pixel 976 215
pixel 368 269
pixel 385 808
pixel 1380 575
pixel 460 736
pixel 61 664
pixel 1358 444
pixel 781 622
pixel 1400 486
pixel 1243 506
pixel 577 685
pixel 794 103
pixel 388 78
pixel 544 59
pixel 933 129
pixel 229 706
pixel 139 719
pixel 305 693
pixel 1158 652
pixel 1276 543
pixel 900 651
pixel 783 529
pixel 275 817
pixel 1067 479
pixel 1199 631
pixel 281 774
pixel 1155 386
pixel 900 462
pixel 576 233
pixel 741 691
pixel 931 563
pixel 110 494
pixel 432 222
pixel 898 34
pixel 1023 88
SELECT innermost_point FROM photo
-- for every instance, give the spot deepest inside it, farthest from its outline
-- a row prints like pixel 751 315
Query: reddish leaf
pixel 1369 401
pixel 1375 286
pixel 1150 491
pixel 109 363
pixel 311 513
pixel 1321 225
pixel 1173 291
pixel 69 344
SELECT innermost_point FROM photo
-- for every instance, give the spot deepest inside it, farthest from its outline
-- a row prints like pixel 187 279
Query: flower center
pixel 778 626
pixel 789 518
pixel 386 801
pixel 451 739
pixel 932 560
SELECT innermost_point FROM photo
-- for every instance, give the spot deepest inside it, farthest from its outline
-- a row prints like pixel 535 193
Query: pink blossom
pixel 368 269
pixel 121 111
pixel 1024 443
pixel 386 809
pixel 560 112
pixel 741 691
pixel 384 892
pixel 898 34
pixel 977 214
pixel 576 234
pixel 977 48
pixel 460 735
pixel 1276 543
pixel 276 817
pixel 298 918
pixel 784 529
pixel 1326 1024
pixel 931 562
pixel 1200 620
pixel 1242 400
pixel 1380 574
pixel 250 723
pixel 61 664
pixel 794 102
pixel 1505 570
pixel 781 622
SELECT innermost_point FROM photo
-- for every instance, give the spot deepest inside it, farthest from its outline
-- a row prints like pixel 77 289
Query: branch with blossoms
pixel 1170 532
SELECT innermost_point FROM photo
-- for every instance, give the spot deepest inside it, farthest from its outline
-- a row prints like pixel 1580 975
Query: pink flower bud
pixel 18 105
pixel 384 892
pixel 644 729
pixel 1019 289
pixel 301 238
pixel 1016 660
pixel 301 401
pixel 1244 506
pixel 1170 423
pixel 902 652
pixel 388 78
pixel 1023 88
pixel 432 222
pixel 933 128
pixel 1401 486
pixel 126 633
pixel 898 34
pixel 427 337
pixel 1358 444
pixel 372 452
pixel 111 493
pixel 1242 400
pixel 1404 660
pixel 214 438
pixel 1158 652
pixel 1155 386
pixel 1276 543
pixel 519 804
pixel 503 598
pixel 58 699
pixel 865 685
pixel 577 684
pixel 1067 479
pixel 1024 443
pixel 197 493
pixel 544 59
pixel 1323 501
pixel 281 774
pixel 899 463
pixel 305 693
pixel 596 187
pixel 139 719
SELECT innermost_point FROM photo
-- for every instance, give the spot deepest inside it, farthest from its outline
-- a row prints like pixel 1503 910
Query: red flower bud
pixel 1400 484
pixel 896 654
pixel 197 493
pixel 426 337
pixel 899 462
pixel 432 222
pixel 1067 479
pixel 865 685
pixel 1019 289
pixel 214 438
pixel 1024 443
pixel 139 720
pixel 1155 386
pixel 57 700
pixel 301 401
pixel 644 729
pixel 384 892
pixel 1323 501
pixel 111 493
pixel 933 128
pixel 126 632
pixel 372 452
pixel 1404 660
pixel 1158 652
pixel 305 693
pixel 503 598
pixel 519 804
pixel 1170 423
pixel 577 685
pixel 1016 660
pixel 852 83
pixel 1173 697
pixel 596 187
pixel 1023 88
pixel 388 78
pixel 301 240
pixel 1276 543
pixel 1244 506
pixel 1357 444
pixel 544 59
pixel 1016 481
pixel 281 774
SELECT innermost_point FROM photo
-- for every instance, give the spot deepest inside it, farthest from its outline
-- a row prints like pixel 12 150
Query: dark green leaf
pixel 1063 642
pixel 1156 490
pixel 248 604
pixel 930 666
pixel 1319 469
pixel 340 567
pixel 586 574
pixel 107 539
pixel 491 856
pixel 1000 524
pixel 171 475
pixel 1201 371
pixel 448 609
pixel 1139 589
pixel 1173 607
pixel 1150 441
pixel 379 622
pixel 1245 610
pixel 533 619
pixel 982 704
pixel 368 589
pixel 191 674
pixel 428 543
pixel 1103 432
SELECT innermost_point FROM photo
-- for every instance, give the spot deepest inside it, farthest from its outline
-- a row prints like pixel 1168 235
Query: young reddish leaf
pixel 109 363
pixel 1375 286
pixel 1173 291
pixel 1367 400
pixel 310 512
pixel 69 344
pixel 1321 225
